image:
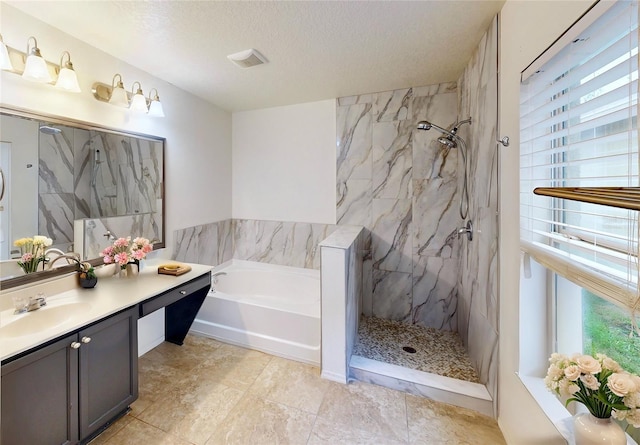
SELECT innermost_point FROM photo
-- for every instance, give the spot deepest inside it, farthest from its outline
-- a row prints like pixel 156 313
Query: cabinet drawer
pixel 175 294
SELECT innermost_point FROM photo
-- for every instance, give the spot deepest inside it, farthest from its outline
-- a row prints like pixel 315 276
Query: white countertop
pixel 110 295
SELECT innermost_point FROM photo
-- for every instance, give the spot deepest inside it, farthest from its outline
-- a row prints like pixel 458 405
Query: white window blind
pixel 578 120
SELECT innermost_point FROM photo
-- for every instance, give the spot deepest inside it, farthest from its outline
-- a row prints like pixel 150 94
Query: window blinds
pixel 578 128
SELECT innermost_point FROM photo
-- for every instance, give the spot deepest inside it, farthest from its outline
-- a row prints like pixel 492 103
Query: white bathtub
pixel 274 309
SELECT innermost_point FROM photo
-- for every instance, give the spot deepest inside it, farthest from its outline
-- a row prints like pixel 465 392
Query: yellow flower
pixel 40 240
pixel 22 242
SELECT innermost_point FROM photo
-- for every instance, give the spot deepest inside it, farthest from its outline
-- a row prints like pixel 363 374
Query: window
pixel 589 324
pixel 579 129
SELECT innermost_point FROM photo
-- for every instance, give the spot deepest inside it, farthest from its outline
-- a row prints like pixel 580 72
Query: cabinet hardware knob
pixel 75 345
pixel 85 339
pixel 183 292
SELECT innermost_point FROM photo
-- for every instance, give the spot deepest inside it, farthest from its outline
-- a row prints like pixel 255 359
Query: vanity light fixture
pixel 35 68
pixel 115 94
pixel 118 95
pixel 138 101
pixel 5 61
pixel 67 79
pixel 155 107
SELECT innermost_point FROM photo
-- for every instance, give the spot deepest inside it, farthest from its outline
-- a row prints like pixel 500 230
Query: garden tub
pixel 270 308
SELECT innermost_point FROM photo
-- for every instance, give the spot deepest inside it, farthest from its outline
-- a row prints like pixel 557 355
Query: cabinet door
pixel 39 396
pixel 108 370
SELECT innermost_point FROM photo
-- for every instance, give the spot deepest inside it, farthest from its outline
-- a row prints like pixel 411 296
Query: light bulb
pixel 5 60
pixel 67 79
pixel 138 102
pixel 35 68
pixel 155 107
pixel 118 94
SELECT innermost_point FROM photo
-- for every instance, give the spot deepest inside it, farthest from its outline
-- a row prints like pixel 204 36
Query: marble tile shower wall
pixel 60 196
pixel 274 242
pixel 478 278
pixel 399 184
pixel 94 229
pixel 89 174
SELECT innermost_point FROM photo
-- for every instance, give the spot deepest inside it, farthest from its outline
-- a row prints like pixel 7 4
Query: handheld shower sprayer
pixel 449 140
pixel 426 125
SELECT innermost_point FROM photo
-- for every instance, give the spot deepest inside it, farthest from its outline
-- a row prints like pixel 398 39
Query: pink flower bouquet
pixel 125 251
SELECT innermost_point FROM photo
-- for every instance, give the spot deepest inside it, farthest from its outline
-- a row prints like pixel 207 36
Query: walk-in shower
pixel 449 140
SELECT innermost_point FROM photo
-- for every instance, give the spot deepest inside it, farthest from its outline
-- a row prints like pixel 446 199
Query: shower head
pixel 49 130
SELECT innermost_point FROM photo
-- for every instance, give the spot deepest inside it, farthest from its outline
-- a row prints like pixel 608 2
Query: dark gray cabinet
pixel 108 370
pixel 66 391
pixel 40 396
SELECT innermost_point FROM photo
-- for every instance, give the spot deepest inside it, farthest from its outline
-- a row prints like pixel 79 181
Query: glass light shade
pixel 155 109
pixel 35 69
pixel 138 103
pixel 119 97
pixel 67 80
pixel 5 61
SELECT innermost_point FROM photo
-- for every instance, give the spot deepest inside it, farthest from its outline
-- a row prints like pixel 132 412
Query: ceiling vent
pixel 247 58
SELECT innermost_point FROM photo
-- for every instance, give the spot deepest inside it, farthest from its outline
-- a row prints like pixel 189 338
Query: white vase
pixel 133 269
pixel 589 430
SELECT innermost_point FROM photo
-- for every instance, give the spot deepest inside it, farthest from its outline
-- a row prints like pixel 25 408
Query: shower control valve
pixel 504 141
pixel 468 229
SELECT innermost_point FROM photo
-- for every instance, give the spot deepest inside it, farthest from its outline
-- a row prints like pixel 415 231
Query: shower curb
pixel 433 386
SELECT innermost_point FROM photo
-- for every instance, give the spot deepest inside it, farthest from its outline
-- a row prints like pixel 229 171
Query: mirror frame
pixel 35 277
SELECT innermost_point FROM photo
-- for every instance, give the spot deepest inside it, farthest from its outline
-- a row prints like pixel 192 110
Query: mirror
pixel 78 184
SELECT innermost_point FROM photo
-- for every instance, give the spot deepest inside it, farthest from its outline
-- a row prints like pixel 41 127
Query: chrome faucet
pixel 215 279
pixel 23 304
pixel 68 256
pixel 36 302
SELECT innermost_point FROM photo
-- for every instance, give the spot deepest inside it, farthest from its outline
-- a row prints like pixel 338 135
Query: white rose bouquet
pixel 598 383
pixel 32 252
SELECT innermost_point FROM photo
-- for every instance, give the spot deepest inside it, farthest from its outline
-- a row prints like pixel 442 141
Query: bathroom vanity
pixel 66 377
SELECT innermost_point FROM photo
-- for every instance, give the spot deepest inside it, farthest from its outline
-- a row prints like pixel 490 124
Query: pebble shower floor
pixel 436 351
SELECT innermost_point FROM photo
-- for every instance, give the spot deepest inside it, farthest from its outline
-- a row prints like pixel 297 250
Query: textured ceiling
pixel 316 49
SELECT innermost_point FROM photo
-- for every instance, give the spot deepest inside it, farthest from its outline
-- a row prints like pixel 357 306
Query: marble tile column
pixel 478 278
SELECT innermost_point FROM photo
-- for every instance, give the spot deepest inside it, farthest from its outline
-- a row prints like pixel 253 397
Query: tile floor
pixel 438 352
pixel 207 393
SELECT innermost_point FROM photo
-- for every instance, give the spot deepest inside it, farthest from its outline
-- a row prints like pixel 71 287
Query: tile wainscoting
pixel 274 242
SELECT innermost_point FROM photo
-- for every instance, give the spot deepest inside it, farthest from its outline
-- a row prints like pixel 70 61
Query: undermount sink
pixel 40 320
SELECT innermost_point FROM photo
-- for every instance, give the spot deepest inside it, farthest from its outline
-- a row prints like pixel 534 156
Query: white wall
pixel 526 29
pixel 198 135
pixel 22 135
pixel 284 163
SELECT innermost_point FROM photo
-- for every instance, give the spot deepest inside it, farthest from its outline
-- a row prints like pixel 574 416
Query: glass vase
pixel 31 265
pixel 120 272
pixel 590 430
